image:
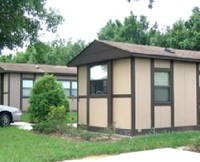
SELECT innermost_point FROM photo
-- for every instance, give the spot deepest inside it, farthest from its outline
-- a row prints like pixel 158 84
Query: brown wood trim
pixel 34 76
pixel 2 89
pixel 82 96
pixel 197 89
pixel 128 132
pixel 98 96
pixel 122 95
pixel 172 91
pixel 20 102
pixel 110 91
pixel 167 129
pixel 78 95
pixel 152 95
pixel 132 96
pixel 88 93
pixel 9 89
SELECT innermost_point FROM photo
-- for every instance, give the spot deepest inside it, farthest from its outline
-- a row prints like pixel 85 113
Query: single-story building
pixel 137 88
pixel 16 81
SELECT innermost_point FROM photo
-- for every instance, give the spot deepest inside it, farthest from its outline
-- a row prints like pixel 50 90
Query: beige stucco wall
pixel 73 104
pixel 82 80
pixel 82 111
pixel 161 63
pixel 122 76
pixel 15 90
pixel 162 116
pixel 185 94
pixel 98 112
pixel 122 113
pixel 143 93
pixel 25 104
pixel 5 99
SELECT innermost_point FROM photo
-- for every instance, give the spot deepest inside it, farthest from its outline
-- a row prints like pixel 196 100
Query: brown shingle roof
pixel 153 50
pixel 98 51
pixel 34 68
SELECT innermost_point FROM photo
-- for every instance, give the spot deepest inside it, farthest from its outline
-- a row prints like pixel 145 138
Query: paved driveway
pixel 157 155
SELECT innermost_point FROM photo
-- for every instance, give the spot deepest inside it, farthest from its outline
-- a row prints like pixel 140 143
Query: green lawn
pixel 22 146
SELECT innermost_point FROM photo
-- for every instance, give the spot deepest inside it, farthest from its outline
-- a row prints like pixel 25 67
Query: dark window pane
pixel 98 87
pixel 162 94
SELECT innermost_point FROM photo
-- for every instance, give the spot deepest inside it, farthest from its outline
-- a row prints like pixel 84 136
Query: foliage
pixel 59 52
pixel 46 92
pixel 131 30
pixel 182 35
pixel 56 121
pixel 72 117
pixel 23 21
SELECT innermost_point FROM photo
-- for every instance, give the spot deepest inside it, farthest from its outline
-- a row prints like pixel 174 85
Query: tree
pixel 193 29
pixel 58 52
pixel 37 52
pixel 131 30
pixel 46 92
pixel 21 57
pixel 24 20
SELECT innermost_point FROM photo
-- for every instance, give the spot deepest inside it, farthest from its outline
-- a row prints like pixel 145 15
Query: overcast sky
pixel 84 18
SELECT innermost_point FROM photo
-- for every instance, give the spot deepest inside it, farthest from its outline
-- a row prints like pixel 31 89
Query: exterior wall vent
pixel 37 67
pixel 170 50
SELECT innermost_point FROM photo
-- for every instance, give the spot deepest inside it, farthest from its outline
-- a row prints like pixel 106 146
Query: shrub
pixel 56 121
pixel 46 92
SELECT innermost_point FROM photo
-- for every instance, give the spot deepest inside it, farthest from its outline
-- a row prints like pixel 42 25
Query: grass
pixel 71 117
pixel 20 145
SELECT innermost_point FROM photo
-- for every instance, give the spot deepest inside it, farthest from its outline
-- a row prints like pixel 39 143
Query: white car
pixel 9 115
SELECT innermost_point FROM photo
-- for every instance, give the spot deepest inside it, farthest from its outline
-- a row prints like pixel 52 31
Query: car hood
pixel 8 108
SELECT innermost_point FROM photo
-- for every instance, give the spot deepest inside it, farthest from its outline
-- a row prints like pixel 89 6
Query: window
pixel 74 88
pixel 162 86
pixel 98 79
pixel 27 85
pixel 70 88
pixel 66 87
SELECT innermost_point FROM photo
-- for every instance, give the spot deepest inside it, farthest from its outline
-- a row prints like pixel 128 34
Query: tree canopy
pixel 184 34
pixel 24 20
pixel 58 52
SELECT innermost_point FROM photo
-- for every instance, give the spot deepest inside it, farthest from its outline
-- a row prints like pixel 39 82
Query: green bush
pixel 46 92
pixel 56 121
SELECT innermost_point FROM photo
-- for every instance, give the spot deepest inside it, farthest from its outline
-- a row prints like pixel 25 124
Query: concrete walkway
pixel 23 125
pixel 158 155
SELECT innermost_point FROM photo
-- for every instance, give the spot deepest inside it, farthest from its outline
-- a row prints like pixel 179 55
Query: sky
pixel 85 18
